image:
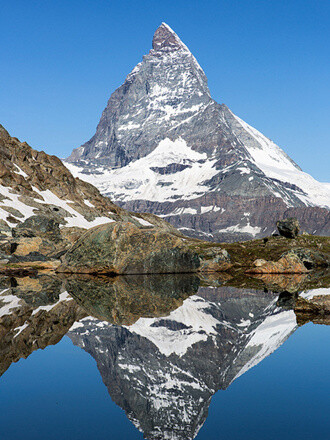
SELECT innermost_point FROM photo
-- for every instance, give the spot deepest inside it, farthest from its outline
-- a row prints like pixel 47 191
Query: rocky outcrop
pixel 214 260
pixel 164 146
pixel 297 260
pixel 288 228
pixel 38 239
pixel 123 248
pixel 290 263
pixel 33 182
pixel 311 259
pixel 37 225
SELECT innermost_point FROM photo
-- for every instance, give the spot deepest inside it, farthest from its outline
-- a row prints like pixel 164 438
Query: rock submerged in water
pixel 124 248
pixel 288 228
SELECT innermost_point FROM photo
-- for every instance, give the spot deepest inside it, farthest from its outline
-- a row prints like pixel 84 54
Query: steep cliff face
pixel 164 371
pixel 163 145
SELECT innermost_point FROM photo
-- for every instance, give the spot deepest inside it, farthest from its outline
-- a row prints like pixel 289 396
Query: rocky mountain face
pixel 35 183
pixel 44 209
pixel 164 371
pixel 164 146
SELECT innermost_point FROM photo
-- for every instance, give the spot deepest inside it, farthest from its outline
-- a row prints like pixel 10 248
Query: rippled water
pixel 167 357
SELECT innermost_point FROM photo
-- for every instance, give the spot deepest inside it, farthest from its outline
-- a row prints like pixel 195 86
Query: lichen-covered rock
pixel 37 225
pixel 124 248
pixel 288 228
pixel 215 260
pixel 289 263
pixel 310 259
pixel 38 238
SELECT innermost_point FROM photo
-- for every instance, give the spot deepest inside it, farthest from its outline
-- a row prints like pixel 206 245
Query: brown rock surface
pixel 289 263
pixel 123 248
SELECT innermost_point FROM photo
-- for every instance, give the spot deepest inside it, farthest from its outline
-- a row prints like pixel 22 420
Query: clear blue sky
pixel 268 60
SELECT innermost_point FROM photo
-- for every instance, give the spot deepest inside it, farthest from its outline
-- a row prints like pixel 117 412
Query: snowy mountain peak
pixel 166 40
pixel 163 145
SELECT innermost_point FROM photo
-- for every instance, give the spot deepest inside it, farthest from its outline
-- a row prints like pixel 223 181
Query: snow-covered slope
pixel 10 199
pixel 276 164
pixel 163 145
pixel 268 337
pixel 143 178
pixel 33 182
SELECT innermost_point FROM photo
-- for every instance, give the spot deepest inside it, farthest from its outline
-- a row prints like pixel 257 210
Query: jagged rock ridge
pixel 164 146
pixel 35 183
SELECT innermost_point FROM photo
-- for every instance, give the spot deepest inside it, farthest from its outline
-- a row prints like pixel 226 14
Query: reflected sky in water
pixel 222 363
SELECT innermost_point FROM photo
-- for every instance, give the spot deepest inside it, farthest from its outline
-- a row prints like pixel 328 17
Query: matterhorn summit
pixel 164 146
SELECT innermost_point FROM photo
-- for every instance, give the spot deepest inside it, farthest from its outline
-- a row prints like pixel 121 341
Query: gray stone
pixel 310 259
pixel 124 248
pixel 288 228
pixel 37 225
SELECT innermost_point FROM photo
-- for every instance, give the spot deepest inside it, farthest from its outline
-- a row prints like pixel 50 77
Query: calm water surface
pixel 158 359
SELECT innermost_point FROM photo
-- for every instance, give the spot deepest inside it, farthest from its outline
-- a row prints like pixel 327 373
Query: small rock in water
pixel 288 228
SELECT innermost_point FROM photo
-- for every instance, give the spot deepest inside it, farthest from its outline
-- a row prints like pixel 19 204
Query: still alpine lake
pixel 159 357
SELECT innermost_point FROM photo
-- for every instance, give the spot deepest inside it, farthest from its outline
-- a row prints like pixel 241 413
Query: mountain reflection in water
pixel 163 344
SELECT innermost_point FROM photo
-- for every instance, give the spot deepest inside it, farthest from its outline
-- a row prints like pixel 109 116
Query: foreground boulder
pixel 311 259
pixel 289 263
pixel 124 248
pixel 294 261
pixel 288 228
pixel 37 225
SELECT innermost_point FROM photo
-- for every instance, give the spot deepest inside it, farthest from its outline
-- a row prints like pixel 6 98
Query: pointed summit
pixel 166 40
pixel 164 145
